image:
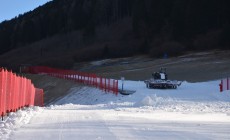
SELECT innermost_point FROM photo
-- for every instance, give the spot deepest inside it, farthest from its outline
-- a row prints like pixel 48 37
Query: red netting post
pixel 116 87
pixel 32 96
pixel 221 85
pixel 100 84
pixel 109 85
pixel 25 87
pixel 114 82
pixel 67 75
pixel 26 93
pixel 5 92
pixel 70 75
pixel 77 77
pixel 12 92
pixel 81 78
pixel 87 78
pixel 17 92
pixel 9 93
pixel 2 93
pixel 7 98
pixel 91 79
pixel 227 83
pixel 96 81
pixel 105 84
pixel 20 93
pixel 42 99
pixel 29 94
pixel 74 77
pixel 84 78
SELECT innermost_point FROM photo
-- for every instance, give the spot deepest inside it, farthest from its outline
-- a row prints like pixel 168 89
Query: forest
pixel 119 28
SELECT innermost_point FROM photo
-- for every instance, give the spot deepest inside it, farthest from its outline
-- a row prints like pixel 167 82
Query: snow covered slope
pixel 193 111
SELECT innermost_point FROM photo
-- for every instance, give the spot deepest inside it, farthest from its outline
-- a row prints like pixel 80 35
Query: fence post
pixel 221 85
pixel 116 87
pixel 105 84
pixel 227 83
pixel 1 92
pixel 109 85
pixel 12 92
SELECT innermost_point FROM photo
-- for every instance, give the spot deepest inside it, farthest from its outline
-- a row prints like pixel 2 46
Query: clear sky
pixel 12 8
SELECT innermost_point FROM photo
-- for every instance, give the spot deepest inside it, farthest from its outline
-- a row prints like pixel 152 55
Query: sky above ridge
pixel 12 8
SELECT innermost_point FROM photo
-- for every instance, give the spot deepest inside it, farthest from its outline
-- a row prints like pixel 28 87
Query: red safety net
pixel 16 92
pixel 108 85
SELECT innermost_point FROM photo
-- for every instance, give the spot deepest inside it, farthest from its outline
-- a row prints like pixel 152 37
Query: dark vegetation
pixel 62 32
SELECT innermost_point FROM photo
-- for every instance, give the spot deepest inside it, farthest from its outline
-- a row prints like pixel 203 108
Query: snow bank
pixel 153 100
pixel 15 120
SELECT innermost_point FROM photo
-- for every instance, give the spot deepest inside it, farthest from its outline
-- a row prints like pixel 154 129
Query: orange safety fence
pixel 105 84
pixel 16 92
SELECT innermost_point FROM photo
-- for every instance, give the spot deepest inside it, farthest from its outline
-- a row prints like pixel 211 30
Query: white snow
pixel 193 111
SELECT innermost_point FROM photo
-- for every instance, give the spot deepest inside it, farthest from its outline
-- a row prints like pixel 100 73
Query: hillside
pixel 63 32
pixel 193 67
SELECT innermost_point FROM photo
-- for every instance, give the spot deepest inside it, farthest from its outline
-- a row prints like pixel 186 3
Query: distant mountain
pixel 95 29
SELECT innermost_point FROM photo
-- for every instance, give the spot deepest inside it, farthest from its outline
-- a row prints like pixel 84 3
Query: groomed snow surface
pixel 196 111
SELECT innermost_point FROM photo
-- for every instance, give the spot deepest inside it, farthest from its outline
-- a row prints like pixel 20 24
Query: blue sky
pixel 12 8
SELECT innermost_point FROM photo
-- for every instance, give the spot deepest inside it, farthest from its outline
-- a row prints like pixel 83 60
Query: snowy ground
pixel 193 111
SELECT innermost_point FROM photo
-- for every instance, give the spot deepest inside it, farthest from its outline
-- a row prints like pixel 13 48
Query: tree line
pixel 160 25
